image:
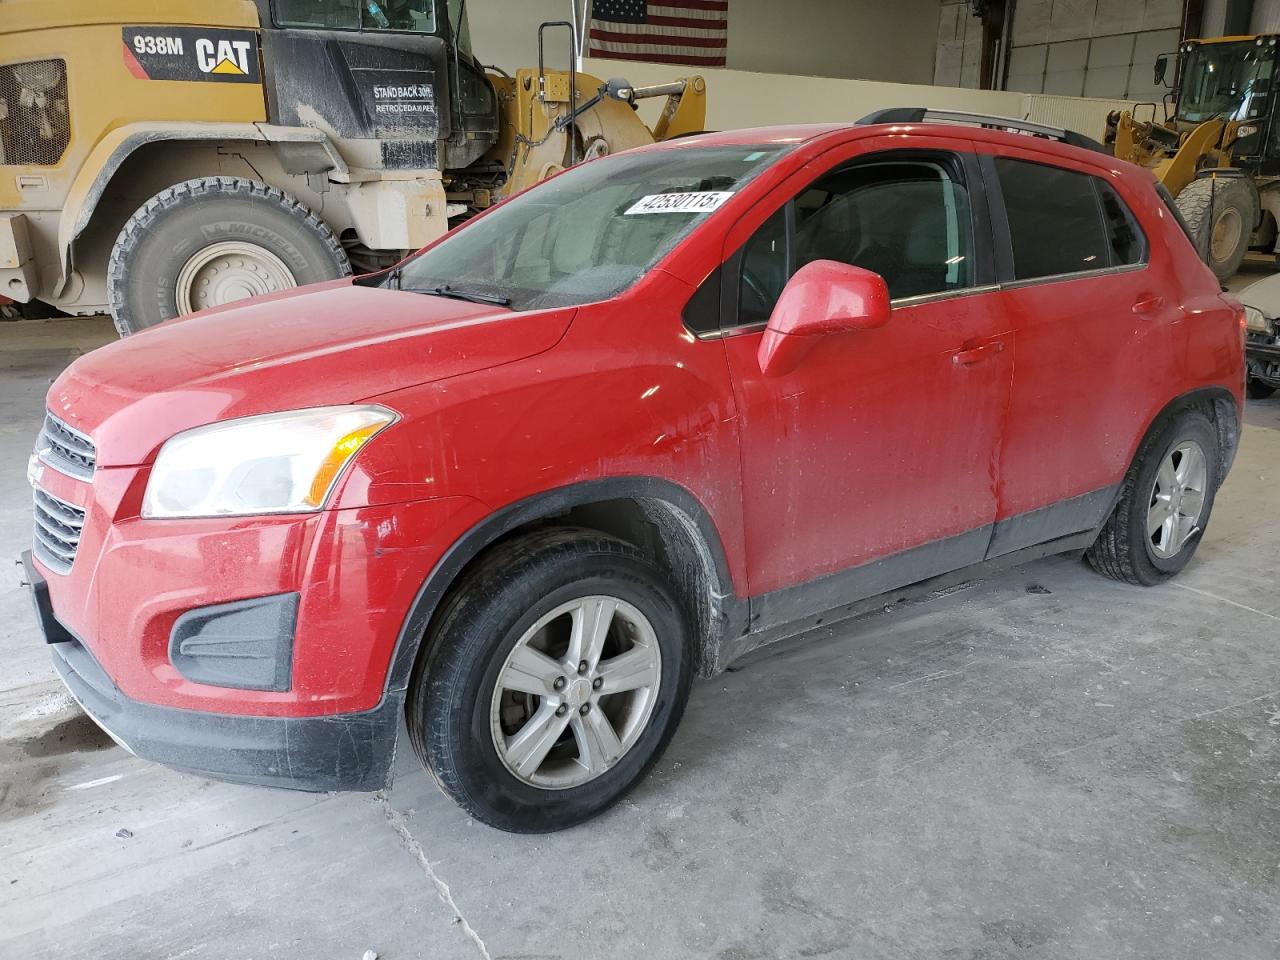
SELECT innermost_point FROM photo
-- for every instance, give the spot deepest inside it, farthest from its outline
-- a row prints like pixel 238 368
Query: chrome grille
pixel 34 123
pixel 57 534
pixel 66 449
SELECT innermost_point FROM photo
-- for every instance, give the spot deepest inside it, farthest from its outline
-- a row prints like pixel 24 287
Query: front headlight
pixel 277 463
pixel 1255 320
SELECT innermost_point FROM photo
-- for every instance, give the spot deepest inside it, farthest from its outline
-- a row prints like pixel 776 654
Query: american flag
pixel 693 32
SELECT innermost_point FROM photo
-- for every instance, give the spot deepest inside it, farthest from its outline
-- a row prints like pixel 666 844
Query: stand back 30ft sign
pixel 192 54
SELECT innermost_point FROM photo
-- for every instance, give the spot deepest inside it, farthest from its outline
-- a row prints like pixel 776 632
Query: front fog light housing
pixel 277 463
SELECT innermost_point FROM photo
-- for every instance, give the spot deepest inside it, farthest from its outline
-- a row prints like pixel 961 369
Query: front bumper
pixel 356 572
pixel 1262 354
pixel 337 752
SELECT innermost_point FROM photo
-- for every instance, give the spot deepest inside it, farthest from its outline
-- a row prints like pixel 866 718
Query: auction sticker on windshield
pixel 701 202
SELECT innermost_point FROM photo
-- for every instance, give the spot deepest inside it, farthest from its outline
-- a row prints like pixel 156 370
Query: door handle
pixel 1148 305
pixel 971 355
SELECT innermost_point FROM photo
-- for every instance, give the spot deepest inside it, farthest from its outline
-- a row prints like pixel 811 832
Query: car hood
pixel 1263 295
pixel 329 344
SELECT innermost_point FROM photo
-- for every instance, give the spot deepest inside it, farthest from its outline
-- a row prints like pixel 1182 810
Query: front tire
pixel 211 241
pixel 559 671
pixel 1164 504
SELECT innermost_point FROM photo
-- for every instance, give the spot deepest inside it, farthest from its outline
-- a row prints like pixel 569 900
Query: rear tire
pixel 471 727
pixel 215 240
pixel 1128 548
pixel 1233 204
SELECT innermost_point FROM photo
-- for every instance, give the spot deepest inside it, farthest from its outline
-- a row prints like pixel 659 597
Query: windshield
pixel 460 22
pixel 411 16
pixel 1227 80
pixel 591 232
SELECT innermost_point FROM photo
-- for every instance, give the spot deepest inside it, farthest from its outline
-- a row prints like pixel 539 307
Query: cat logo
pixel 192 54
pixel 226 57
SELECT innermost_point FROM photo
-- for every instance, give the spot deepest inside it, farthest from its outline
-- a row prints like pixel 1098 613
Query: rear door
pixel 881 444
pixel 1091 326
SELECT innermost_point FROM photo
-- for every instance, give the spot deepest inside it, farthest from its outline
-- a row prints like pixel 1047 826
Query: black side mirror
pixel 1162 67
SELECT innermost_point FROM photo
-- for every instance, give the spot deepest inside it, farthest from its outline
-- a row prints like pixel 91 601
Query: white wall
pixel 958 61
pixel 1266 16
pixel 1092 48
pixel 1212 18
pixel 505 32
pixel 827 38
pixel 736 98
pixel 1264 19
pixel 869 39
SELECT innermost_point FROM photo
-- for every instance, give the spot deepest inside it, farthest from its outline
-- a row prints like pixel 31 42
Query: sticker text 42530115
pixel 703 201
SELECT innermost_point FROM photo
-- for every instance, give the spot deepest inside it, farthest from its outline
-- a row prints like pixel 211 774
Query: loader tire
pixel 211 241
pixel 1234 206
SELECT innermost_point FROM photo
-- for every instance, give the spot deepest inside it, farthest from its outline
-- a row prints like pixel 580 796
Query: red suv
pixel 615 432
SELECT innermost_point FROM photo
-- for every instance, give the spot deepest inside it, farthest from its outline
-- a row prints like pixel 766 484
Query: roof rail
pixel 925 115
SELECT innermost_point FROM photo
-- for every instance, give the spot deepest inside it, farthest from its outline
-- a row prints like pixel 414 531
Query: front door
pixel 872 464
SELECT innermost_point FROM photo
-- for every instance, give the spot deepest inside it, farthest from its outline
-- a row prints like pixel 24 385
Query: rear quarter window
pixel 1128 244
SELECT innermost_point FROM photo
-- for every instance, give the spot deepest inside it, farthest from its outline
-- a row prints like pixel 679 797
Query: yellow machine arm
pixel 1199 147
pixel 537 122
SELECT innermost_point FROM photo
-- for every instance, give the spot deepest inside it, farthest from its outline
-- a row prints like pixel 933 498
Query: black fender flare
pixel 1215 397
pixel 729 614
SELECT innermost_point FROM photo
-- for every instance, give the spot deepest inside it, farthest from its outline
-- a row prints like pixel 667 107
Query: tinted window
pixel 702 313
pixel 1128 246
pixel 907 221
pixel 1055 220
pixel 764 270
pixel 416 16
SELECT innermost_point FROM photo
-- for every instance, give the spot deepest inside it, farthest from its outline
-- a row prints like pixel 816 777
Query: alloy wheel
pixel 576 692
pixel 1177 499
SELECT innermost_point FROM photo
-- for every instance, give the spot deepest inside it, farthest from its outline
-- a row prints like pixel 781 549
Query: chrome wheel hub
pixel 229 271
pixel 1227 233
pixel 1177 499
pixel 576 692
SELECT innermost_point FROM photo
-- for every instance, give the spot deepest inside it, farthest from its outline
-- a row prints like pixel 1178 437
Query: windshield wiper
pixel 444 290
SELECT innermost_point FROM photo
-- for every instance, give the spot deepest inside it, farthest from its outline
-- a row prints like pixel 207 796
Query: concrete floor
pixel 1045 765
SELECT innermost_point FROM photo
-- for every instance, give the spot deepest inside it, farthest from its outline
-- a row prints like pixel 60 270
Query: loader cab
pixel 1232 79
pixel 395 80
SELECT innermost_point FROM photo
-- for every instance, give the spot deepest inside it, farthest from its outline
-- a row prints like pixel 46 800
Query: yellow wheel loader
pixel 157 159
pixel 1218 154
